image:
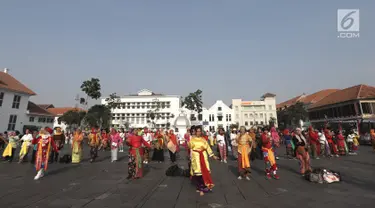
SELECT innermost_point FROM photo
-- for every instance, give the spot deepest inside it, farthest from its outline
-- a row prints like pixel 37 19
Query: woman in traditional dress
pixel 94 143
pixel 341 143
pixel 268 155
pixel 275 141
pixel 11 148
pixel 135 164
pixel 105 140
pixel 59 139
pixel 288 144
pixel 200 167
pixel 115 143
pixel 329 136
pixel 77 146
pixel 172 146
pixel 221 145
pixel 158 144
pixel 302 153
pixel 27 139
pixel 45 144
pixel 245 145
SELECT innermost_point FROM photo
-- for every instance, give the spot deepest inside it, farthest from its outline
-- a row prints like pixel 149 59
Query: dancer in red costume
pixel 332 146
pixel 314 143
pixel 44 144
pixel 269 156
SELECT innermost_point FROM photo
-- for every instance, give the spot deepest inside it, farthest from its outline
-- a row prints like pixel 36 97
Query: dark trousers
pixel 33 157
pixel 172 156
pixel 54 157
pixel 10 158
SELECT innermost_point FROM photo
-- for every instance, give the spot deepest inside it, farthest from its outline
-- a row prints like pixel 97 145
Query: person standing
pixel 268 155
pixel 288 144
pixel 324 146
pixel 372 136
pixel 200 167
pixel 314 142
pixel 221 145
pixel 45 144
pixel 27 139
pixel 233 138
pixel 148 138
pixel 172 146
pixel 275 141
pixel 59 139
pixel 115 142
pixel 245 145
pixel 94 143
pixel 77 147
pixel 135 166
pixel 11 148
pixel 122 136
pixel 302 153
pixel 105 140
pixel 341 143
pixel 158 143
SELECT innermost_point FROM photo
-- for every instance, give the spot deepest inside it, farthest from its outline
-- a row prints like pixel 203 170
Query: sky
pixel 227 48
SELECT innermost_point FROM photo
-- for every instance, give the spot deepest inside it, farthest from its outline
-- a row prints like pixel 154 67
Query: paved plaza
pixel 104 184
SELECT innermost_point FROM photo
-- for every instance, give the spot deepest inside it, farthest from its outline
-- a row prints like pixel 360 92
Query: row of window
pixel 348 110
pixel 16 100
pixel 228 117
pixel 138 105
pixel 42 119
pixel 137 114
pixel 252 123
pixel 255 115
pixel 263 107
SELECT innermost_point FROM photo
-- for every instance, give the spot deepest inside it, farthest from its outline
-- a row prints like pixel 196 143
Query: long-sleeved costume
pixel 135 166
pixel 59 139
pixel 301 153
pixel 244 148
pixel 94 143
pixel 330 141
pixel 45 144
pixel 115 143
pixel 314 142
pixel 341 144
pixel 269 156
pixel 200 167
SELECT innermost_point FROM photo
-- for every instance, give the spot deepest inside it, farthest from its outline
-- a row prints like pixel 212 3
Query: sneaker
pixel 225 161
pixel 317 158
pixel 239 178
pixel 268 176
pixel 247 178
pixel 277 158
pixel 39 175
pixel 221 161
pixel 276 177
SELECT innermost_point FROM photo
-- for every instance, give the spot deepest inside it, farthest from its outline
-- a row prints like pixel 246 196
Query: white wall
pixel 6 110
pixel 36 121
pixel 128 110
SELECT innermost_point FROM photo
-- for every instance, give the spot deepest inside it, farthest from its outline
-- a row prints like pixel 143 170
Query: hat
pixel 49 130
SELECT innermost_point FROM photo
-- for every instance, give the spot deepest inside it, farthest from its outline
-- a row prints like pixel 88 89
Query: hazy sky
pixel 227 48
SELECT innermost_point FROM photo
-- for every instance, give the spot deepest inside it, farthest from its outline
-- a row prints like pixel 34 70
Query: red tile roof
pixel 8 82
pixel 348 94
pixel 61 111
pixel 307 99
pixel 46 106
pixel 35 109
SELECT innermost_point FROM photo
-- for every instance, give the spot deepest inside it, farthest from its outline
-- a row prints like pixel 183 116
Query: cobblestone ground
pixel 104 184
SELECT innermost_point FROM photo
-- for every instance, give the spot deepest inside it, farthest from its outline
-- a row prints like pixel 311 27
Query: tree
pixel 193 102
pixel 92 88
pixel 73 118
pixel 272 121
pixel 292 115
pixel 98 115
pixel 113 100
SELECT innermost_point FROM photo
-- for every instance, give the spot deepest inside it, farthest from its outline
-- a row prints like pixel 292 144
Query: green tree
pixel 73 118
pixel 92 89
pixel 113 100
pixel 292 115
pixel 193 102
pixel 99 115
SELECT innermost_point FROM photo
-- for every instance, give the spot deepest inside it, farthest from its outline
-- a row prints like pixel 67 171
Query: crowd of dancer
pixel 245 145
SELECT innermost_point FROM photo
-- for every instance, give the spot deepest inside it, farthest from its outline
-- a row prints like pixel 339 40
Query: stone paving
pixel 104 184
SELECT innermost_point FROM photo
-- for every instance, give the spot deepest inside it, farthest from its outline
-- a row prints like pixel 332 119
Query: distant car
pixel 365 139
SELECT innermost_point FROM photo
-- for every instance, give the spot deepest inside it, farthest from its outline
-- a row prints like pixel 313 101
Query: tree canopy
pixel 293 114
pixel 92 88
pixel 193 101
pixel 99 115
pixel 73 117
pixel 113 100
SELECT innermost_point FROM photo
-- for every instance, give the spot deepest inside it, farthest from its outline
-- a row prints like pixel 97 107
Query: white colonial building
pixel 14 98
pixel 37 117
pixel 135 110
pixel 218 115
pixel 255 113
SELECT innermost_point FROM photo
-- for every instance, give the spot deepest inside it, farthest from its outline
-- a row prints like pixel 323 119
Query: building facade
pixel 145 109
pixel 14 98
pixel 350 107
pixel 37 117
pixel 255 113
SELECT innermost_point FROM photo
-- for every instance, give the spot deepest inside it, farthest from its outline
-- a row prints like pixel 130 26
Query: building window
pixel 269 107
pixel 41 120
pixel 246 123
pixel 261 115
pixel 226 117
pixel 31 119
pixel 256 122
pixel 245 115
pixel 230 117
pixel 236 108
pixel 220 118
pixel 16 101
pixel 12 122
pixel 251 123
pixel 219 108
pixel 1 98
pixel 200 117
pixel 213 117
pixel 261 123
